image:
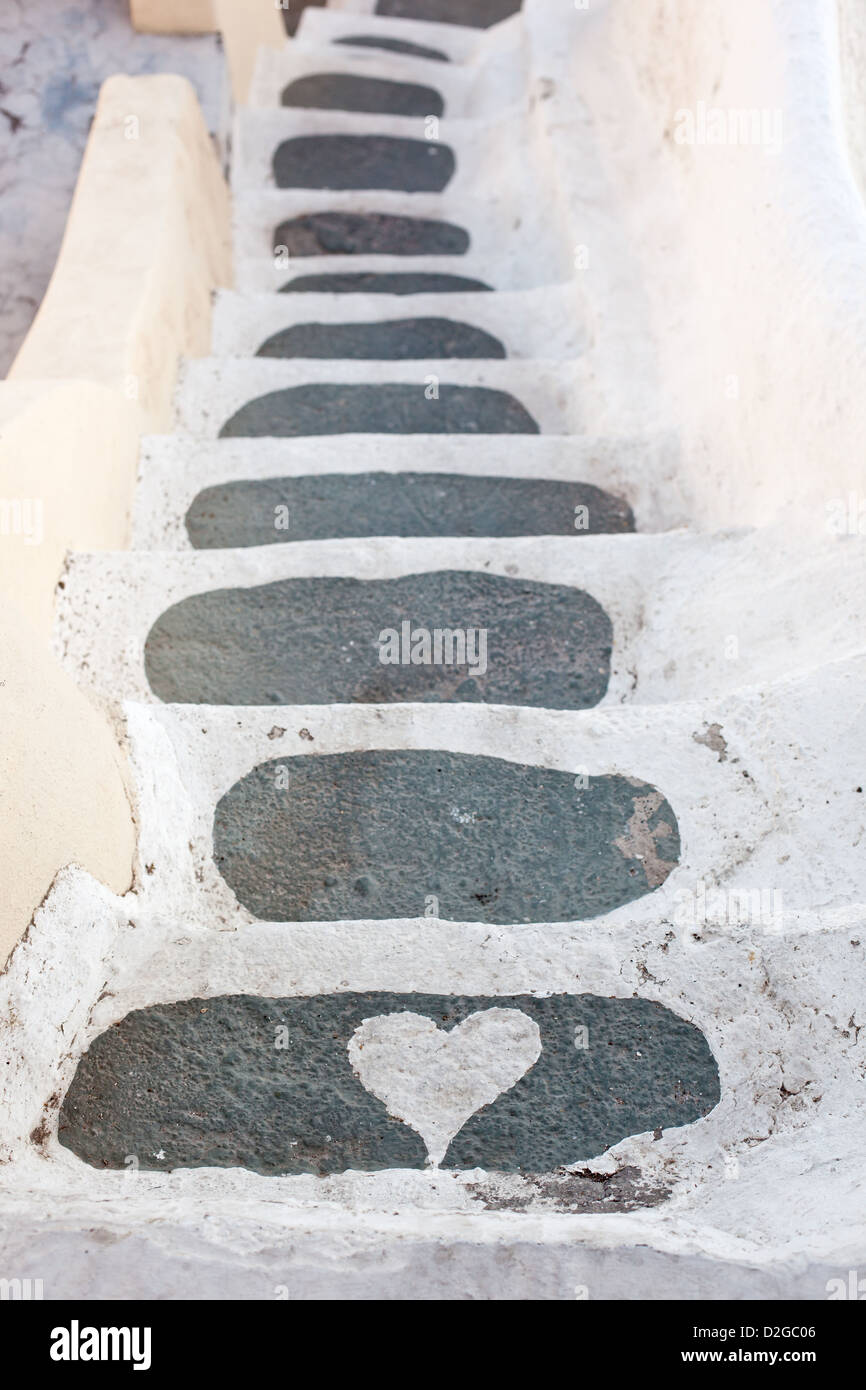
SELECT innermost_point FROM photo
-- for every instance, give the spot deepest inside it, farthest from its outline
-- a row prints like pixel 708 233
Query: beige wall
pixel 173 16
pixel 245 25
pixel 147 241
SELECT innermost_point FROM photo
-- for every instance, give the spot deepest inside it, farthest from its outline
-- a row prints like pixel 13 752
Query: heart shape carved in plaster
pixel 434 1080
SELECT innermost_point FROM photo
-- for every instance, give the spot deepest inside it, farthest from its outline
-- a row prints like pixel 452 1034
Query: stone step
pixel 245 397
pixel 338 506
pixel 331 151
pixel 548 323
pixel 683 608
pixel 357 78
pixel 356 1081
pixel 740 817
pixel 460 44
pixel 614 477
pixel 536 252
pixel 444 635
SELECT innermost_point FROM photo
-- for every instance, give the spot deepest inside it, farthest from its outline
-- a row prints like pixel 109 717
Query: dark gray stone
pixel 476 14
pixel 390 408
pixel 316 641
pixel 579 1193
pixel 370 233
pixel 409 50
pixel 389 282
pixel 392 340
pixel 363 161
pixel 343 505
pixel 378 834
pixel 204 1083
pixel 339 91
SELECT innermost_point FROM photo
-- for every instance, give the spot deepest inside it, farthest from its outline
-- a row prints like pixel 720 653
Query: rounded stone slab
pixel 476 14
pixel 392 408
pixel 267 1084
pixel 354 505
pixel 384 834
pixel 333 506
pixel 372 233
pixel 386 282
pixel 392 340
pixel 338 91
pixel 409 50
pixel 445 636
pixel 363 161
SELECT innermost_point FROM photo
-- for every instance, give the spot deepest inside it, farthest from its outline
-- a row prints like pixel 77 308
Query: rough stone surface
pixel 392 408
pixel 267 1084
pixel 582 1192
pixel 477 14
pixel 363 161
pixel 370 233
pixel 392 340
pixel 399 833
pixel 383 282
pixel 317 641
pixel 332 505
pixel 338 91
pixel 408 50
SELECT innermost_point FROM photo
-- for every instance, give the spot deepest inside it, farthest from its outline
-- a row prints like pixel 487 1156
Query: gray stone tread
pixel 343 505
pixel 376 835
pixel 203 1083
pixel 319 641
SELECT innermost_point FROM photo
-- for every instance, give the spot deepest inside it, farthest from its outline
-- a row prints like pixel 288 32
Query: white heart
pixel 434 1080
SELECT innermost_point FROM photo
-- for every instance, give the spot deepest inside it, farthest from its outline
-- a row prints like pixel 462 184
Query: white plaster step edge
pixel 549 322
pixel 265 1248
pixel 690 613
pixel 562 397
pixel 461 43
pixel 508 240
pixel 477 90
pixel 642 469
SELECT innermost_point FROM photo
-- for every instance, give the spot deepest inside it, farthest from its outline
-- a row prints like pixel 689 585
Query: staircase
pixel 473 784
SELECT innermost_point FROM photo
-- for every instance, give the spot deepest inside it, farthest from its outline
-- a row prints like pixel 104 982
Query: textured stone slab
pixel 370 233
pixel 342 505
pixel 477 14
pixel 409 50
pixel 320 641
pixel 397 833
pixel 338 91
pixel 269 1084
pixel 363 161
pixel 389 282
pixel 392 408
pixel 393 340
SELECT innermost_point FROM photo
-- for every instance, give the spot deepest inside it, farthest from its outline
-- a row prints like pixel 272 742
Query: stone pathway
pixel 366 164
